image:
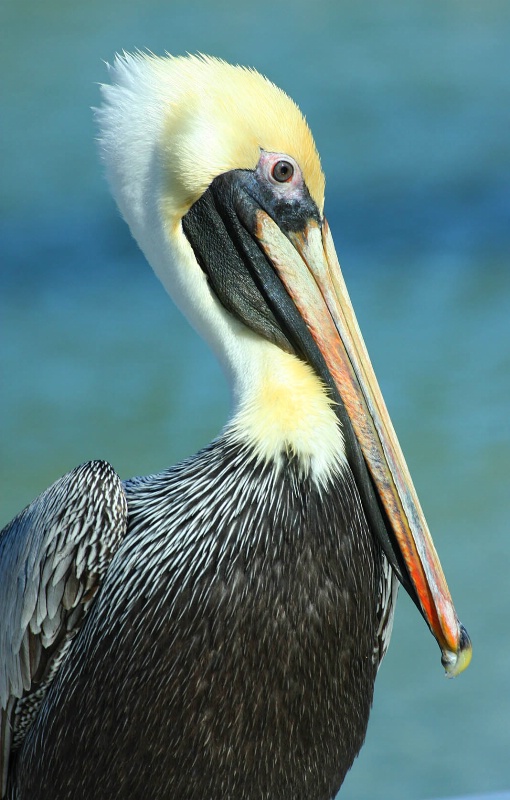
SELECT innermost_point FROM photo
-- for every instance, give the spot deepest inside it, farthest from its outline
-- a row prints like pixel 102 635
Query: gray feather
pixel 53 557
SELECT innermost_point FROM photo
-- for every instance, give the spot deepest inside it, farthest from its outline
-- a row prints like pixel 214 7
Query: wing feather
pixel 386 609
pixel 53 557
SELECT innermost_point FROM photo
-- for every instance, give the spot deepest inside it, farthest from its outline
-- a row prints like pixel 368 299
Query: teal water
pixel 410 106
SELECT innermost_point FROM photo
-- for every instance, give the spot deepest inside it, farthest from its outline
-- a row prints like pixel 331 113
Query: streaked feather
pixel 51 554
pixel 227 559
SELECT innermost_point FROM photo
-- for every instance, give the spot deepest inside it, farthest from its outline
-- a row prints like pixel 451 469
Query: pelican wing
pixel 53 557
pixel 386 609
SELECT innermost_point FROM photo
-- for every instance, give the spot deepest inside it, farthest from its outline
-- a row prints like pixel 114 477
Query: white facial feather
pixel 168 127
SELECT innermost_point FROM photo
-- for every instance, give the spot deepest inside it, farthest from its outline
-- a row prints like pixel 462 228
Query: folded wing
pixel 53 558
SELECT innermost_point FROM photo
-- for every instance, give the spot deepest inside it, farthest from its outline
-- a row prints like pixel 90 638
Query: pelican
pixel 214 631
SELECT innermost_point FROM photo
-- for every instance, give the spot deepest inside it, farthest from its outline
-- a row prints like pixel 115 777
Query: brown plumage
pixel 214 631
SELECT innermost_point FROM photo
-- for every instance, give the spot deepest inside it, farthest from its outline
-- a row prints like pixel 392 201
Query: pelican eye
pixel 282 171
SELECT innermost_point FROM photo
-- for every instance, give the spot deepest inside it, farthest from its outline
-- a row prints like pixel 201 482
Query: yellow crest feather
pixel 218 118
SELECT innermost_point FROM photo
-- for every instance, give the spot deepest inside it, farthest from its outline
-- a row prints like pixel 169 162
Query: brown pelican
pixel 214 631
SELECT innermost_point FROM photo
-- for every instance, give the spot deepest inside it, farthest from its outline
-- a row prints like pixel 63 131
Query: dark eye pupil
pixel 282 171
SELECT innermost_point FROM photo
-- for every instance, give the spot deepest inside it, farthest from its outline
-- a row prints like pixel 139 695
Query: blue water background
pixel 410 106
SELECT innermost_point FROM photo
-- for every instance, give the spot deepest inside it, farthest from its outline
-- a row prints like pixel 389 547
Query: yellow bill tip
pixel 455 663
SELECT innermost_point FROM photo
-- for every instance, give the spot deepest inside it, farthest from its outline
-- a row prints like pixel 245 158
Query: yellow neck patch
pixel 284 409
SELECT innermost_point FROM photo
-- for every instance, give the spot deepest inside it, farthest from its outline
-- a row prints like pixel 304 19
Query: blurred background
pixel 410 107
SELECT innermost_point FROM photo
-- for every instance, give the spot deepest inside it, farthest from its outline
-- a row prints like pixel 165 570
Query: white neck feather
pixel 279 403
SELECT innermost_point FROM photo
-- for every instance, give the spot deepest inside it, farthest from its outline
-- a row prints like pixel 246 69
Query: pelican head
pixel 216 172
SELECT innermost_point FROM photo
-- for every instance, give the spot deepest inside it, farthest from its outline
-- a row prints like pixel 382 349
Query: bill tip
pixel 455 663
